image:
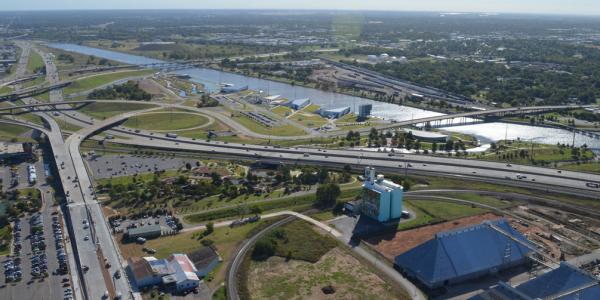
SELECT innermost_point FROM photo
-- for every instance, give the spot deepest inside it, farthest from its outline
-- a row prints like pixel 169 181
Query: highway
pixel 82 204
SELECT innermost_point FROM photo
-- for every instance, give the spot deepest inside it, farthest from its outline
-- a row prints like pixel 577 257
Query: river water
pixel 212 79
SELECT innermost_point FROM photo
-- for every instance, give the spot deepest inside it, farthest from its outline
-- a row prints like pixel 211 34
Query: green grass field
pixel 35 61
pixel 428 211
pixel 166 121
pixel 5 238
pixel 309 119
pixel 91 82
pixel 5 89
pixel 591 167
pixel 283 130
pixel 282 111
pixel 107 110
pixel 12 132
pixel 297 240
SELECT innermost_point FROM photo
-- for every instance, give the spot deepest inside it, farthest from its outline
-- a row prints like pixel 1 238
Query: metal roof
pixel 462 252
pixel 144 229
pixel 565 283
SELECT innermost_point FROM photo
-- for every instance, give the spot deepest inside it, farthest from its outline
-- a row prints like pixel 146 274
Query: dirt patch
pixel 403 241
pixel 277 278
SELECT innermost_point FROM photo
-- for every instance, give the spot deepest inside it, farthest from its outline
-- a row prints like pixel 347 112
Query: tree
pixel 263 249
pixel 188 166
pixel 327 194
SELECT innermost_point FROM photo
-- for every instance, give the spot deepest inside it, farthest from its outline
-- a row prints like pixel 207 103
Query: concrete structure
pixel 205 260
pixel 428 136
pixel 566 282
pixel 299 103
pixel 464 254
pixel 10 151
pixel 335 112
pixel 364 110
pixel 381 199
pixel 148 232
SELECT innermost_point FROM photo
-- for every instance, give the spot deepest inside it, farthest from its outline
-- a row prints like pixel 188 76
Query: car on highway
pixel 593 185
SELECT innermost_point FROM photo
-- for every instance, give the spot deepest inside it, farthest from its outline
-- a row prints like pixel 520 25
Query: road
pixel 82 204
pixel 234 267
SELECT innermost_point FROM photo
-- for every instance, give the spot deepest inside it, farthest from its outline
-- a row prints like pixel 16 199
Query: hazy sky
pixel 589 7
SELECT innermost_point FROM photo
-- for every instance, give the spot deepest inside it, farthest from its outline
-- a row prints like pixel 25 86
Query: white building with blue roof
pixel 381 198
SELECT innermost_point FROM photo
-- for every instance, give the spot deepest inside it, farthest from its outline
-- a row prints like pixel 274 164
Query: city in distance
pixel 299 150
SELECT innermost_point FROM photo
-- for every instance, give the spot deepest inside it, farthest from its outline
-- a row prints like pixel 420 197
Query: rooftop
pixel 457 253
pixel 566 282
pixel 203 257
pixel 11 148
pixel 140 267
pixel 143 229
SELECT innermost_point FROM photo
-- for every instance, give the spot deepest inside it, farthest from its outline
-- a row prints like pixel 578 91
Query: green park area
pixel 90 82
pixel 35 62
pixel 520 152
pixel 282 111
pixel 13 133
pixel 167 121
pixel 281 130
pixel 103 110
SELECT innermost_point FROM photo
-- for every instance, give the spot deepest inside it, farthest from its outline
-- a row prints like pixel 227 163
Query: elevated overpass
pixel 33 91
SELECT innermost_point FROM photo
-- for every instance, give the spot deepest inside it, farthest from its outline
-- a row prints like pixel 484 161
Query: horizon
pixel 525 7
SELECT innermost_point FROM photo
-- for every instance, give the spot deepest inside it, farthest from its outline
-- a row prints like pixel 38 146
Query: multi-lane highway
pixel 93 245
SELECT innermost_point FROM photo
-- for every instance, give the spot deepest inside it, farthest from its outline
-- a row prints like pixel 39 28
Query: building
pixel 205 260
pixel 364 110
pixel 566 282
pixel 428 136
pixel 299 103
pixel 147 232
pixel 15 151
pixel 335 112
pixel 463 254
pixel 381 199
pixel 231 88
pixel 142 273
pixel 182 275
pixel 176 273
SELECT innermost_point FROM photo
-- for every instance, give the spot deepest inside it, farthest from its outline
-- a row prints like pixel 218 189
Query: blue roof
pixel 567 281
pixel 462 252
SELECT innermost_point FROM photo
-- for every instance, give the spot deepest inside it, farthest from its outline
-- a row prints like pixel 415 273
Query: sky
pixel 584 7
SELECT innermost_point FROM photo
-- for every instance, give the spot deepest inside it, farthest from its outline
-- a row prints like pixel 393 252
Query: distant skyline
pixel 577 7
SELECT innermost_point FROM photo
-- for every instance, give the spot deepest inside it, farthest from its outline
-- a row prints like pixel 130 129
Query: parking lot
pixel 122 165
pixel 37 267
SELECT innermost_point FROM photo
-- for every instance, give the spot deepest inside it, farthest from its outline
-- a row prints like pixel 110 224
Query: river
pixel 212 79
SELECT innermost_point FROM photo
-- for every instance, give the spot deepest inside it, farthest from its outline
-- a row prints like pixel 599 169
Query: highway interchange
pixel 82 204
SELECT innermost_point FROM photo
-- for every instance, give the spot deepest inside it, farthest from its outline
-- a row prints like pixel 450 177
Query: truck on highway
pixel 171 135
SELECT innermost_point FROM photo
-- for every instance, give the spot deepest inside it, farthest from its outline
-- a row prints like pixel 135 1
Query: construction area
pixel 502 250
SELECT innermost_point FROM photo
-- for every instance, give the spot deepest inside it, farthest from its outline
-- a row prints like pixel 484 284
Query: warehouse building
pixel 15 151
pixel 299 103
pixel 381 199
pixel 176 273
pixel 147 232
pixel 335 113
pixel 565 283
pixel 463 254
pixel 205 260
